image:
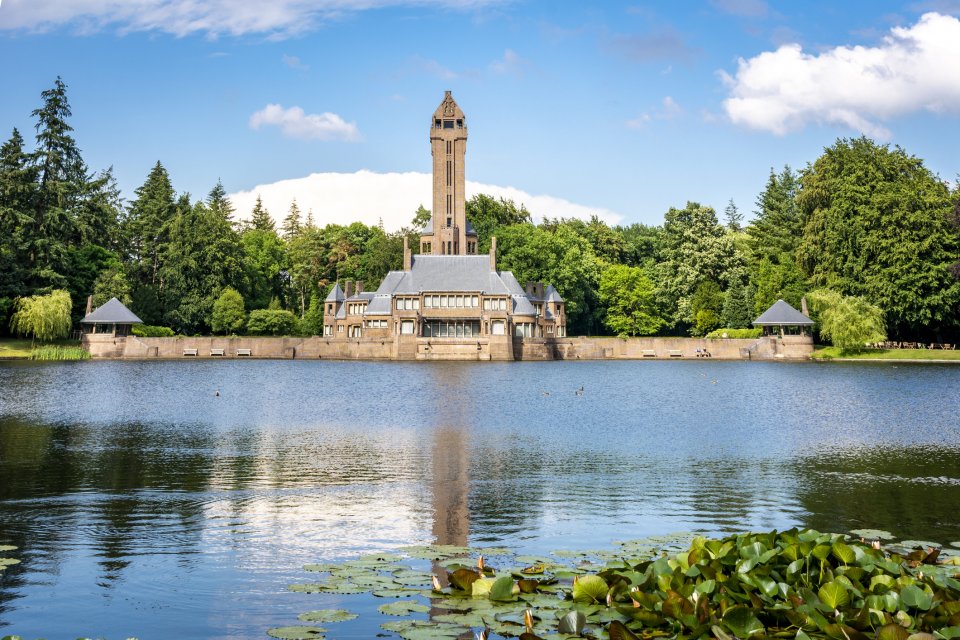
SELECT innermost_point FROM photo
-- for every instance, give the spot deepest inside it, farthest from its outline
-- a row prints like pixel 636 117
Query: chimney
pixel 539 286
pixel 89 304
pixel 359 287
pixel 407 262
pixel 803 306
pixel 493 253
pixel 347 288
pixel 529 288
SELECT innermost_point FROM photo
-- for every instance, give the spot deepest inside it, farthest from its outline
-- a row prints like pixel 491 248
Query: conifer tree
pixel 291 226
pixel 147 226
pixel 219 204
pixel 260 217
pixel 733 216
pixel 17 191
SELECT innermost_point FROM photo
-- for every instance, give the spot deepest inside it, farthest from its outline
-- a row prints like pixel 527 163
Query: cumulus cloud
pixel 276 18
pixel 369 197
pixel 294 123
pixel 912 69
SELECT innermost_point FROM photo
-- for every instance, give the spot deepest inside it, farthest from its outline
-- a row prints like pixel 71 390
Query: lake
pixel 144 504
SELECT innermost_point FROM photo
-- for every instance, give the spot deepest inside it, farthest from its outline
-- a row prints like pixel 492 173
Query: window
pixel 497 327
pixel 474 301
pixel 448 124
pixel 460 302
pixel 436 123
pixel 376 324
pixel 355 331
pixel 406 327
pixel 449 172
pixel 561 331
pixel 448 247
pixel 449 147
pixel 449 221
pixel 486 305
pixel 449 207
pixel 329 308
pixel 523 330
pixel 327 330
pixel 456 248
pixel 339 328
pixel 416 304
pixel 550 329
pixel 459 124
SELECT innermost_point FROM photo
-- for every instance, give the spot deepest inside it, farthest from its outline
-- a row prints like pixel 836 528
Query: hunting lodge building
pixel 447 300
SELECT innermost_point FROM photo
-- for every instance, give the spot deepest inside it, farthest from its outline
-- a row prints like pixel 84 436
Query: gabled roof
pixel 336 294
pixel 781 313
pixel 552 294
pixel 111 312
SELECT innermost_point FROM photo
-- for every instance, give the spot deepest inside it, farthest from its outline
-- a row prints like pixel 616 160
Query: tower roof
pixel 448 108
pixel 336 294
pixel 781 313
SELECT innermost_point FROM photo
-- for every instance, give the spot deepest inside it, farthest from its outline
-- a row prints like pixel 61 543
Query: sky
pixel 619 109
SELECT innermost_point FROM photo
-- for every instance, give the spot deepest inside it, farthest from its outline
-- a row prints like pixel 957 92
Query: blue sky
pixel 623 108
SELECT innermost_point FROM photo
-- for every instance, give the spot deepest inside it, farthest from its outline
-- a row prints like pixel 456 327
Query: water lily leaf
pixel 573 622
pixel 590 589
pixel 425 630
pixel 502 589
pixel 921 636
pixel 892 631
pixel 706 587
pixel 10 547
pixel 913 596
pixel 742 622
pixel 882 583
pixel 466 619
pixel 619 631
pixel 527 585
pixel 463 579
pixel 402 608
pixel 296 633
pixel 321 568
pixel 948 633
pixel 481 587
pixel 6 562
pixel 872 534
pixel 327 615
pixel 843 552
pixel 844 632
pixel 833 594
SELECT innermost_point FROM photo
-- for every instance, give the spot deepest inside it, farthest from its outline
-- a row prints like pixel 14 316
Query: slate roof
pixel 444 273
pixel 111 312
pixel 552 295
pixel 336 294
pixel 781 313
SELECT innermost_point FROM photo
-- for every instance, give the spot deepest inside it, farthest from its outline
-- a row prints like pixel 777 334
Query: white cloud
pixel 294 62
pixel 913 69
pixel 669 109
pixel 294 123
pixel 275 18
pixel 510 63
pixel 368 197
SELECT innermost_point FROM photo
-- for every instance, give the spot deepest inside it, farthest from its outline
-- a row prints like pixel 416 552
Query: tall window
pixel 449 172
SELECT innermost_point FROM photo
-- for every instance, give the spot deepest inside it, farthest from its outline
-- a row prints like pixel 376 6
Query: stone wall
pixel 480 348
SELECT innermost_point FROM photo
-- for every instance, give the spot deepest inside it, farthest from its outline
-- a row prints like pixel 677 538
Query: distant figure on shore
pixel 217 393
pixel 579 391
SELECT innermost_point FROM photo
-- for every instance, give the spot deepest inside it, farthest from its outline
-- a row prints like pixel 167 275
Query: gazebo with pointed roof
pixel 783 319
pixel 112 317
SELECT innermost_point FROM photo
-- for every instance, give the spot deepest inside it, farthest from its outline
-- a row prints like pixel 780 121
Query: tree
pixel 706 306
pixel 486 214
pixel 111 283
pixel 312 323
pixel 260 218
pixel 146 230
pixel 694 249
pixel 43 317
pixel 267 322
pixel 849 322
pixel 291 226
pixel 421 217
pixel 228 312
pixel 219 204
pixel 265 266
pixel 17 191
pixel 628 295
pixel 733 216
pixel 877 226
pixel 737 306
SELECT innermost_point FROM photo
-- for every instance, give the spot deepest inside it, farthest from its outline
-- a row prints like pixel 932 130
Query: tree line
pixel 864 222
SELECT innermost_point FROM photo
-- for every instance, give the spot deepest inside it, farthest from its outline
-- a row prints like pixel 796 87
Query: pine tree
pixel 17 192
pixel 291 226
pixel 260 217
pixel 219 204
pixel 147 227
pixel 733 216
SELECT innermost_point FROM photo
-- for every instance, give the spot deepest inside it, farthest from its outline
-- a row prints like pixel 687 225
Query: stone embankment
pixel 501 348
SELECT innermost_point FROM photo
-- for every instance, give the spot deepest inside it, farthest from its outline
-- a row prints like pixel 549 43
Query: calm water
pixel 145 505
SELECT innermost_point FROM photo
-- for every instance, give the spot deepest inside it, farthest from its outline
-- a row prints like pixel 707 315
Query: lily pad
pixel 873 534
pixel 327 615
pixel 589 589
pixel 297 633
pixel 10 547
pixel 402 608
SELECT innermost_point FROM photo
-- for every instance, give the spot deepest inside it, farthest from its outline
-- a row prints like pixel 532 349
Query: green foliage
pixel 57 352
pixel 628 295
pixel 877 226
pixel 848 322
pixel 487 214
pixel 706 305
pixel 151 331
pixel 737 306
pixel 420 218
pixel 111 283
pixel 292 225
pixel 734 333
pixel 228 312
pixel 266 322
pixel 265 263
pixel 43 317
pixel 312 323
pixel 799 584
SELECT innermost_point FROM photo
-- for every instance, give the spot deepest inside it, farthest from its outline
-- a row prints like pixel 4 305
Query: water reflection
pixel 144 505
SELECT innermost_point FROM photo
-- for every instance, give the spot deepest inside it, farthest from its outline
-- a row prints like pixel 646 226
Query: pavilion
pixel 782 319
pixel 111 318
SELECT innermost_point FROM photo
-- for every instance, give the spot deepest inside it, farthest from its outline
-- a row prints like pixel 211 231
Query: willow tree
pixel 848 322
pixel 43 318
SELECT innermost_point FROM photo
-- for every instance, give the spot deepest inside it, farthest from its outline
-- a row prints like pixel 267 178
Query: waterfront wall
pixel 480 348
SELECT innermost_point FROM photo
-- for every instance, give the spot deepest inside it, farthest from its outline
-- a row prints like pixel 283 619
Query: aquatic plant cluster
pixel 794 584
pixel 56 352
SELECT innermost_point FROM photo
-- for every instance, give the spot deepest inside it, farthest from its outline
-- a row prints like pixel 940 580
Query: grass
pixel 21 349
pixel 829 353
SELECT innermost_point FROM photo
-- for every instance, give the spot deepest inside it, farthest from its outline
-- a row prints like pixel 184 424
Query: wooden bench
pixel 649 353
pixel 190 352
pixel 676 353
pixel 216 352
pixel 243 352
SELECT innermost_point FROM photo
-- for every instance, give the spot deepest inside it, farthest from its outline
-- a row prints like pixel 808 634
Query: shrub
pixel 272 322
pixel 228 312
pixel 148 331
pixel 56 352
pixel 735 333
